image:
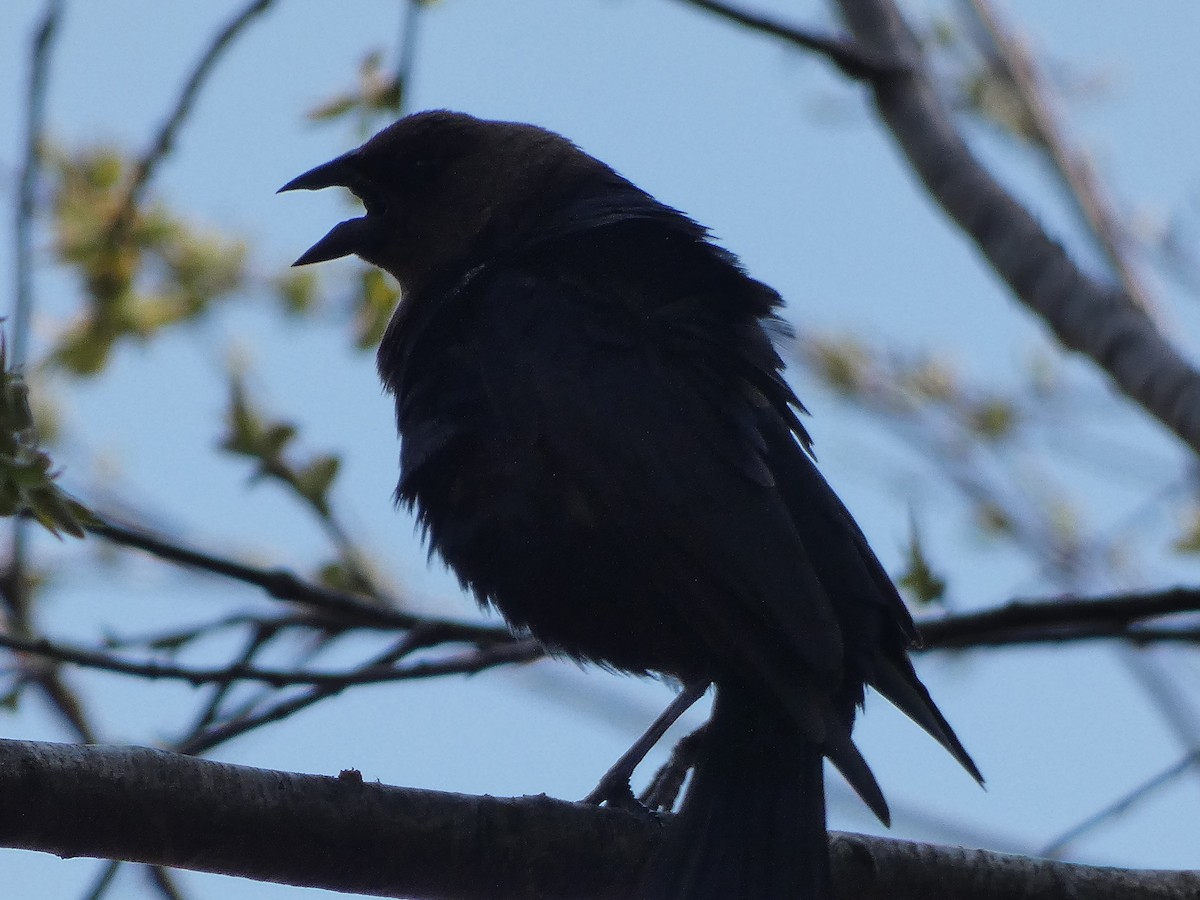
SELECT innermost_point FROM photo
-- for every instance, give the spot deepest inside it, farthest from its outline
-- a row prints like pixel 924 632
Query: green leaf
pixel 377 298
pixel 26 473
pixel 297 291
pixel 919 578
pixel 315 479
pixel 1189 541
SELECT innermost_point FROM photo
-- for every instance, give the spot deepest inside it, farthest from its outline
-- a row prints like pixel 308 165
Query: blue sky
pixel 783 160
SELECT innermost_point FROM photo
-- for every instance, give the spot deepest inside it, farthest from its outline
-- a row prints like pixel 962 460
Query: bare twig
pixel 103 881
pixel 16 581
pixel 408 49
pixel 854 59
pixel 164 140
pixel 1056 846
pixel 35 112
pixel 1074 166
pixel 163 881
pixel 466 663
pixel 347 609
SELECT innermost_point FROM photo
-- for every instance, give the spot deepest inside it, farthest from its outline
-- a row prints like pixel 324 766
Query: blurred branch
pixel 1122 804
pixel 345 834
pixel 35 112
pixel 461 664
pixel 1020 69
pixel 164 141
pixel 347 610
pixel 1095 319
pixel 205 739
pixel 854 59
pixel 408 51
pixel 16 579
pixel 268 441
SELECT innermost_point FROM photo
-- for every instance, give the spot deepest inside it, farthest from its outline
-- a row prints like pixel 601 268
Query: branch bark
pixel 344 834
pixel 1096 319
pixel 1065 619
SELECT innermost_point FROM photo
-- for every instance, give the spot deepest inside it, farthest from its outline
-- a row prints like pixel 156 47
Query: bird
pixel 597 438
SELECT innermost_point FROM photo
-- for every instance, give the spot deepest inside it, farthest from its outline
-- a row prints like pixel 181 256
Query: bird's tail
pixel 752 825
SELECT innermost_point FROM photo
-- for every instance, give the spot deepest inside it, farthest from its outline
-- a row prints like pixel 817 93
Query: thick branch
pixel 345 834
pixel 1093 318
pixel 338 833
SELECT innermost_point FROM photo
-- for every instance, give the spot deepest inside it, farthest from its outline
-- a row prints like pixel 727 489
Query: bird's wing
pixel 665 451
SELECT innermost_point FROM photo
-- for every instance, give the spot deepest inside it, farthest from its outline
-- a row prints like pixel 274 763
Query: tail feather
pixel 752 826
pixel 906 692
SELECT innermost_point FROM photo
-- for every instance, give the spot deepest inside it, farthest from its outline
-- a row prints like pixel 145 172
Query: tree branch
pixel 345 834
pixel 1062 619
pixel 165 139
pixel 347 609
pixel 1095 319
pixel 458 664
pixel 854 59
pixel 1020 69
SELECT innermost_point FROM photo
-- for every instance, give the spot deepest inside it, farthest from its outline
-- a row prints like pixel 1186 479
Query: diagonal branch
pixel 468 663
pixel 164 140
pixel 1020 69
pixel 350 610
pixel 1098 320
pixel 854 59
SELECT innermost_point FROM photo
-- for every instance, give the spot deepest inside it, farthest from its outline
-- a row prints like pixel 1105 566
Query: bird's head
pixel 439 187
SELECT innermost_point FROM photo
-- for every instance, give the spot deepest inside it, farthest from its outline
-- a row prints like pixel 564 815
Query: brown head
pixel 440 188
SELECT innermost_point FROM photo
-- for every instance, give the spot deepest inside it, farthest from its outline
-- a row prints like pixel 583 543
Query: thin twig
pixel 1055 847
pixel 408 49
pixel 854 59
pixel 259 637
pixel 35 114
pixel 103 880
pixel 284 585
pixel 466 663
pixel 164 140
pixel 51 683
pixel 1074 167
pixel 162 879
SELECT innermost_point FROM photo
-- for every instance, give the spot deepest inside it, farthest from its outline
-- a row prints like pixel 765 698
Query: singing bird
pixel 597 438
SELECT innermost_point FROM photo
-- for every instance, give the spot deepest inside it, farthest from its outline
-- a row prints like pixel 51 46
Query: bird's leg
pixel 614 788
pixel 661 793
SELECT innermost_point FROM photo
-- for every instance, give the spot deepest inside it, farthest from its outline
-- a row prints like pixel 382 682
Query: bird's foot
pixel 614 788
pixel 614 791
pixel 664 787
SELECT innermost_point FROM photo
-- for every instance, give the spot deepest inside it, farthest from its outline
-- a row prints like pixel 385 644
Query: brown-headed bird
pixel 598 440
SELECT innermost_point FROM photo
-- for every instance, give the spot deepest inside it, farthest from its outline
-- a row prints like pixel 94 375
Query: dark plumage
pixel 599 442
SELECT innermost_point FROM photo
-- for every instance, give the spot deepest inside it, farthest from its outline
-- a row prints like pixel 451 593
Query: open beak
pixel 338 172
pixel 345 238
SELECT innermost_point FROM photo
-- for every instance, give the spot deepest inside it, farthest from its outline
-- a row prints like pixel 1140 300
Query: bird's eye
pixel 422 170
